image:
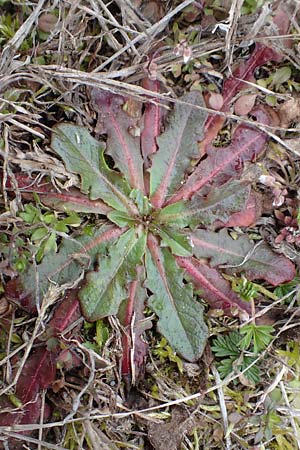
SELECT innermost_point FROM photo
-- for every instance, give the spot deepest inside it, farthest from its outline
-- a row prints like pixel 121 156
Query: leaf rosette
pixel 162 206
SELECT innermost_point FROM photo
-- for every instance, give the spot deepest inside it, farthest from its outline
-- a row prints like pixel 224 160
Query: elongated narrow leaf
pixel 106 288
pixel 180 316
pixel 223 164
pixel 131 316
pixel 64 267
pixel 83 155
pixel 121 125
pixel 220 204
pixel 152 123
pixel 64 200
pixel 241 255
pixel 213 287
pixel 177 147
pixel 65 314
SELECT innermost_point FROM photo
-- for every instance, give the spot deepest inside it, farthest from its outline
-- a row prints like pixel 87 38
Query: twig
pixel 152 31
pixel 293 423
pixel 16 41
pixel 223 408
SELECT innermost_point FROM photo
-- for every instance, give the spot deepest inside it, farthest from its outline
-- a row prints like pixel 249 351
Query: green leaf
pixel 179 243
pixel 39 234
pixel 229 348
pixel 50 244
pixel 141 201
pixel 287 290
pixel 31 214
pixel 108 286
pixel 235 365
pixel 180 316
pixel 173 214
pixel 227 345
pixel 220 204
pixel 62 268
pixel 258 335
pixel 281 75
pixel 178 145
pixel 83 155
pixel 121 219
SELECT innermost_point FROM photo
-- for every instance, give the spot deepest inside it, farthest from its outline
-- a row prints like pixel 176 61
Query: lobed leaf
pixel 241 255
pixel 177 147
pixel 83 155
pixel 106 288
pixel 123 143
pixel 180 316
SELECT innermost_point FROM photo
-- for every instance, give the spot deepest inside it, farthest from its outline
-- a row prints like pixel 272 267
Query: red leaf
pixel 215 101
pixel 152 126
pixel 241 255
pixel 39 371
pixel 244 104
pixel 247 217
pixel 214 288
pixel 72 199
pixel 67 312
pixel 123 131
pixel 152 123
pixel 224 163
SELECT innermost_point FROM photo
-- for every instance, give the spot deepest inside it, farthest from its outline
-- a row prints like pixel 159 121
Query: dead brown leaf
pixel 169 436
pixel 289 112
pixel 244 104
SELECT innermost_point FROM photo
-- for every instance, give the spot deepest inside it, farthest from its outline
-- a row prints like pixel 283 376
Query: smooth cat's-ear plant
pixel 163 241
